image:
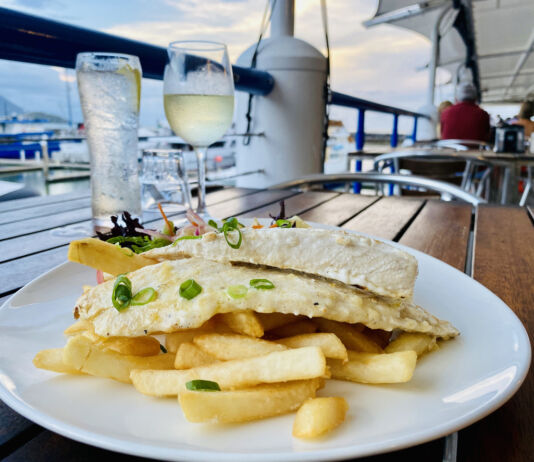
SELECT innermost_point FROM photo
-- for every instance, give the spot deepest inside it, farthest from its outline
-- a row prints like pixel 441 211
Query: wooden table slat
pixel 504 263
pixel 44 240
pixel 20 228
pixel 339 209
pixel 15 430
pixel 18 204
pixel 43 210
pixel 294 205
pixel 386 218
pixel 442 230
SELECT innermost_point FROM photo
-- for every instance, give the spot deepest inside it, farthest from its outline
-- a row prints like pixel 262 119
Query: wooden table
pixel 494 244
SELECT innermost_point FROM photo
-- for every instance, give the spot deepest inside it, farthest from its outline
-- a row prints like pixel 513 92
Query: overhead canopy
pixel 492 38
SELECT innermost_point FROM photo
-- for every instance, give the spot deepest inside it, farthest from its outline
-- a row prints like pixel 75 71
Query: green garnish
pixel 162 348
pixel 189 289
pixel 183 238
pixel 138 244
pixel 227 227
pixel 262 284
pixel 237 291
pixel 144 296
pixel 122 293
pixel 121 296
pixel 284 223
pixel 202 385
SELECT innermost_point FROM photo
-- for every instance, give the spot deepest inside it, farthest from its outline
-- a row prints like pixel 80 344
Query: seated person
pixel 523 118
pixel 465 120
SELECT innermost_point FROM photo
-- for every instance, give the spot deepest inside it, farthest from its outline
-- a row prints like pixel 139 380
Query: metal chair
pixel 442 164
pixel 446 190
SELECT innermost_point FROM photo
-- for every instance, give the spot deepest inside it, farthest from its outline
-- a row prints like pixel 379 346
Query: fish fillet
pixel 346 257
pixel 292 293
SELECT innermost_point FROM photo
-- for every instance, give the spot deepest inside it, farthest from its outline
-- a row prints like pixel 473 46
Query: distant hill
pixel 7 108
pixel 43 115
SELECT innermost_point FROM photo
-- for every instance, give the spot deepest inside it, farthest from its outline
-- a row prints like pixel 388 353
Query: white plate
pixel 464 381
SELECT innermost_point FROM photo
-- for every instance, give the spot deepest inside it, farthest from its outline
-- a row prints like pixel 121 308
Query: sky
pixel 383 64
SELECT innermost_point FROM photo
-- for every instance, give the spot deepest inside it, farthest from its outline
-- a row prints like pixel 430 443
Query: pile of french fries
pixel 264 364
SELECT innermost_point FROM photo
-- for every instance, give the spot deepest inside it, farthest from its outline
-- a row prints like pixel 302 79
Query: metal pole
pixel 283 18
pixel 360 141
pixel 434 57
pixel 395 132
pixel 414 132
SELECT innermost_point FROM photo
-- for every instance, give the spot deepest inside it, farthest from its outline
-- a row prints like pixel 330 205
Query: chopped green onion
pixel 189 289
pixel 162 348
pixel 183 238
pixel 213 224
pixel 284 223
pixel 122 293
pixel 202 385
pixel 237 291
pixel 263 284
pixel 234 245
pixel 144 296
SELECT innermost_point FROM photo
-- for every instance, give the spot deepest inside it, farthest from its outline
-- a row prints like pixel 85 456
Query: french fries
pixel 85 356
pixel 420 343
pixel 319 416
pixel 189 356
pixel 106 257
pixel 329 343
pixel 245 405
pixel 280 366
pixel 303 326
pixel 232 346
pixel 375 368
pixel 350 335
pixel 243 322
pixel 52 360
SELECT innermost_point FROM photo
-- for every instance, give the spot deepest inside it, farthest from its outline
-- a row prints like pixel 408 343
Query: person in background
pixel 442 106
pixel 526 112
pixel 465 120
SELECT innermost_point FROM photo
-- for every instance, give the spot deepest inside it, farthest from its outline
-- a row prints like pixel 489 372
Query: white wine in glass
pixel 199 98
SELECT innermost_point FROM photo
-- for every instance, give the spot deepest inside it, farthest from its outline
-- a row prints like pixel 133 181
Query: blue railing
pixel 362 105
pixel 32 39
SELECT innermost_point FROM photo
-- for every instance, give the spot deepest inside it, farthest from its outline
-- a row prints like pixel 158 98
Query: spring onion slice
pixel 234 245
pixel 122 293
pixel 237 291
pixel 183 238
pixel 262 284
pixel 144 296
pixel 284 223
pixel 189 289
pixel 202 385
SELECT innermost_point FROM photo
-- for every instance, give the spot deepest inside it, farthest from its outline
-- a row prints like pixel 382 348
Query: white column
pixel 283 18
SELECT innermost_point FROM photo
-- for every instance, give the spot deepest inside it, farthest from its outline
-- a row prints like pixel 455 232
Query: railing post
pixel 360 141
pixel 395 132
pixel 394 142
pixel 414 132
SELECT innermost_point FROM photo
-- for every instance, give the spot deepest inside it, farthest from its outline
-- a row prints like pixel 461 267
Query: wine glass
pixel 198 94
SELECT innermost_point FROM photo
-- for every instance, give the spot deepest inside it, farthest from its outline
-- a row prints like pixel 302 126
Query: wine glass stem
pixel 201 160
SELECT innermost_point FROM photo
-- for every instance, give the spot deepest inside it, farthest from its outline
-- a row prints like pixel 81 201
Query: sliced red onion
pixel 99 276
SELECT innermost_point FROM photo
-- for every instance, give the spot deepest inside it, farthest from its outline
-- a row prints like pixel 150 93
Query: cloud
pixel 378 63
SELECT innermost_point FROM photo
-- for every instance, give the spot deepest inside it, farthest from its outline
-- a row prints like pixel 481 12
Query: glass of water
pixel 109 85
pixel 164 181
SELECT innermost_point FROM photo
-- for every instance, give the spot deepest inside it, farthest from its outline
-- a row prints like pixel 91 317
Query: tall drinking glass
pixel 198 96
pixel 110 88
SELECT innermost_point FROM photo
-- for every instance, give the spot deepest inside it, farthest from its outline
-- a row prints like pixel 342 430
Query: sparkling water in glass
pixel 110 88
